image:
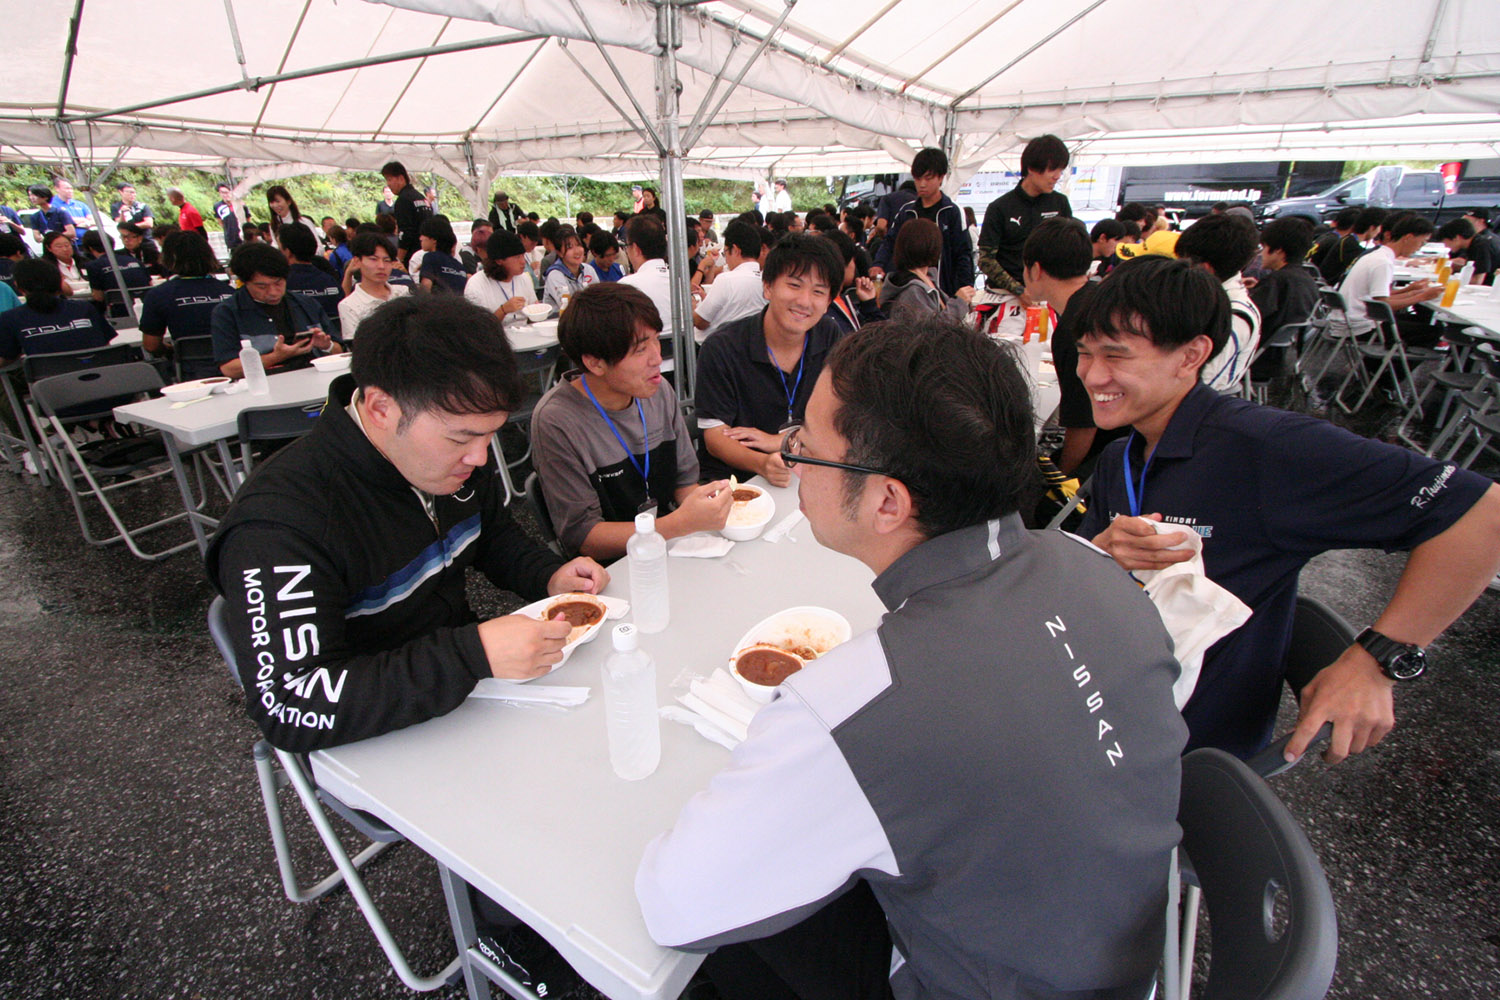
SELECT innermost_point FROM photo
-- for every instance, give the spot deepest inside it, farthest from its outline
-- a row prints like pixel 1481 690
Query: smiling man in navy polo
pixel 1267 490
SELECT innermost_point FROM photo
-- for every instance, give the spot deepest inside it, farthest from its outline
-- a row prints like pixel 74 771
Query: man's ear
pixel 1196 353
pixel 894 507
pixel 594 366
pixel 381 411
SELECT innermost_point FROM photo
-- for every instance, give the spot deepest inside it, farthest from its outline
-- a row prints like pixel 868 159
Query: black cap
pixel 502 244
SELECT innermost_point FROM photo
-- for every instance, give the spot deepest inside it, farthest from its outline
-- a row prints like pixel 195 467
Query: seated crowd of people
pixel 1018 849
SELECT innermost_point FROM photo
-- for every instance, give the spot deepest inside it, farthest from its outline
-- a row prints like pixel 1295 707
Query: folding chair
pixel 1285 337
pixel 1482 399
pixel 295 771
pixel 537 504
pixel 1452 377
pixel 193 357
pixel 266 423
pixel 92 394
pixel 1270 912
pixel 538 370
pixel 1336 338
pixel 1387 348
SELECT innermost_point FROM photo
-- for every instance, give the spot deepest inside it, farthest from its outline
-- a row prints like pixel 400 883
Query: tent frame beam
pixel 1038 44
pixel 70 52
pixel 257 82
pixel 655 137
pixel 701 121
pixel 648 138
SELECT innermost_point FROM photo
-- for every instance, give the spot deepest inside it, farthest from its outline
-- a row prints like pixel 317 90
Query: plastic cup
pixel 1450 293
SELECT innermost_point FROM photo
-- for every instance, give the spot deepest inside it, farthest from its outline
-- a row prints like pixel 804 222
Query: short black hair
pixel 1459 227
pixel 601 321
pixel 1108 229
pixel 437 353
pixel 250 259
pixel 547 231
pixel 1133 211
pixel 365 245
pixel 39 282
pixel 1410 224
pixel 40 191
pixel 395 169
pixel 1061 246
pixel 11 244
pixel 820 222
pixel 1347 218
pixel 91 240
pixel 602 243
pixel 439 231
pixel 130 228
pixel 743 235
pixel 649 234
pixel 188 255
pixel 1044 153
pixel 1164 299
pixel 943 409
pixel 1226 243
pixel 842 240
pixel 126 184
pixel 797 254
pixel 1132 229
pixel 1369 218
pixel 584 217
pixel 1291 236
pixel 530 230
pixel 298 239
pixel 930 161
pixel 919 243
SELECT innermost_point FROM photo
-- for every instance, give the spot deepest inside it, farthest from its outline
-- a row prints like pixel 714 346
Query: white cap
pixel 645 522
pixel 624 638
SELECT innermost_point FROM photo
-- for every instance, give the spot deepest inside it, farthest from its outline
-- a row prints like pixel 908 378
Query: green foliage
pixel 342 195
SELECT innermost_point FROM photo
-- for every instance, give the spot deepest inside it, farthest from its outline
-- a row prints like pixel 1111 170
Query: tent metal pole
pixel 1043 41
pixel 69 54
pixel 257 82
pixel 966 40
pixel 701 121
pixel 833 53
pixel 410 80
pixel 114 164
pixel 234 36
pixel 281 66
pixel 506 89
pixel 684 345
pixel 80 176
pixel 656 139
pixel 649 139
pixel 1432 33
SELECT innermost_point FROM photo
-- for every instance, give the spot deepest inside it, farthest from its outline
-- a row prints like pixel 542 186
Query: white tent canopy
pixel 491 87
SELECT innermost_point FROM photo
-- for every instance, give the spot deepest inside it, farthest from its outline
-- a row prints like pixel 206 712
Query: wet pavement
pixel 134 858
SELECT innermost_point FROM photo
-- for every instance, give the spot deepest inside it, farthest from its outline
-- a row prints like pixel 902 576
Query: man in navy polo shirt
pixel 755 374
pixel 101 273
pixel 1267 490
pixel 184 306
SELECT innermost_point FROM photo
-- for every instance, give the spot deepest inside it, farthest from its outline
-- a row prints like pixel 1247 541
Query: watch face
pixel 1408 666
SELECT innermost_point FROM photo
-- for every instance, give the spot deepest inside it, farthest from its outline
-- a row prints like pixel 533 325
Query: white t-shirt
pixel 781 201
pixel 358 304
pixel 732 295
pixel 654 279
pixel 1369 277
pixel 486 292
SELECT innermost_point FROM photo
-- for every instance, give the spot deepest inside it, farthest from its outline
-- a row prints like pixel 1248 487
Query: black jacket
pixel 346 602
pixel 1007 222
pixel 956 268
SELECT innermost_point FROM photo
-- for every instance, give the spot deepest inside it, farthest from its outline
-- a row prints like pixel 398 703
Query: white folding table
pixel 521 802
pixel 214 420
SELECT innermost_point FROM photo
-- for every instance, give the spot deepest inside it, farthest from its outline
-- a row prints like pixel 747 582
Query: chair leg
pixel 302 783
pixel 1192 899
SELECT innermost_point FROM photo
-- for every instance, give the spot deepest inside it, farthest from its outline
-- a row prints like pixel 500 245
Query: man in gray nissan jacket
pixel 988 780
pixel 342 559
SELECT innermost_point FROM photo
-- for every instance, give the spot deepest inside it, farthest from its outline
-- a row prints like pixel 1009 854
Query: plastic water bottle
pixel 255 372
pixel 647 554
pixel 1466 275
pixel 630 707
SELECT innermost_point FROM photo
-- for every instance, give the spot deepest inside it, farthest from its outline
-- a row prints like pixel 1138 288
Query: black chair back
pixel 94 392
pixel 1271 915
pixel 193 357
pixel 40 366
pixel 538 505
pixel 271 423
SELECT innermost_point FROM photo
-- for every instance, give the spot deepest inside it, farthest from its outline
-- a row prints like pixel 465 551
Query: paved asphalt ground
pixel 134 860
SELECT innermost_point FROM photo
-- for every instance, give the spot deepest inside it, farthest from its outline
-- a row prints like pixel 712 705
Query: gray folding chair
pixel 295 771
pixel 537 504
pixel 1390 354
pixel 1335 337
pixel 538 370
pixel 266 423
pixel 1483 399
pixel 1452 377
pixel 92 394
pixel 1285 337
pixel 193 357
pixel 1271 915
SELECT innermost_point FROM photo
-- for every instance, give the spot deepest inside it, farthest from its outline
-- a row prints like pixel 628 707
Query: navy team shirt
pixel 72 326
pixel 311 282
pixel 444 269
pixel 184 307
pixel 1268 490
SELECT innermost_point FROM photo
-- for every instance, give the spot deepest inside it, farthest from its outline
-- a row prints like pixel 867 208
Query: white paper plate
pixel 615 608
pixel 817 627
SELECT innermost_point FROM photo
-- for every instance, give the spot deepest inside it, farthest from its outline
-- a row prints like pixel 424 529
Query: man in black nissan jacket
pixel 1012 216
pixel 342 559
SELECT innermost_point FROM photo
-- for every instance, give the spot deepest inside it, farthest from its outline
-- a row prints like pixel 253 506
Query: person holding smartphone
pixel 287 330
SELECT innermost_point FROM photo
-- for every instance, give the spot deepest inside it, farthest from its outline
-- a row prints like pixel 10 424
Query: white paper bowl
pixel 748 519
pixel 185 392
pixel 333 362
pixel 537 608
pixel 536 311
pixel 819 628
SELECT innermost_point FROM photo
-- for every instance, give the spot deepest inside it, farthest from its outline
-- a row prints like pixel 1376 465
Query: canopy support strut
pixel 701 121
pixel 1432 33
pixel 650 140
pixel 81 180
pixel 234 36
pixel 673 201
pixel 69 54
pixel 656 138
pixel 1043 41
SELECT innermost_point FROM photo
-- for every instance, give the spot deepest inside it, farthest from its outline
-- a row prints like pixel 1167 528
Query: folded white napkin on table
pixel 779 530
pixel 716 707
pixel 700 546
pixel 533 694
pixel 1196 611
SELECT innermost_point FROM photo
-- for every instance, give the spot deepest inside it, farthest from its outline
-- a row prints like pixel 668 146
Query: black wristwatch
pixel 1399 661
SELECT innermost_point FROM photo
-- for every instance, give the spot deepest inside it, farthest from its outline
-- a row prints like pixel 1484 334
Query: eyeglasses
pixel 791 454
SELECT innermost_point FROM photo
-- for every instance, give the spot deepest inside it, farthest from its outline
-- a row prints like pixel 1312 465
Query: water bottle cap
pixel 645 522
pixel 624 638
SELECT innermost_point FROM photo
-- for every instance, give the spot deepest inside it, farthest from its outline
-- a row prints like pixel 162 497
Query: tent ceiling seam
pixel 411 80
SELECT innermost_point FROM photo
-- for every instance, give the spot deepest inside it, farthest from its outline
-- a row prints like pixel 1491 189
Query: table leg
pixel 461 915
pixel 179 472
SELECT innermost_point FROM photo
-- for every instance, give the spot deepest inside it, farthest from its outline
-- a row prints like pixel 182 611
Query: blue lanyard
pixel 1136 496
pixel 791 394
pixel 645 438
